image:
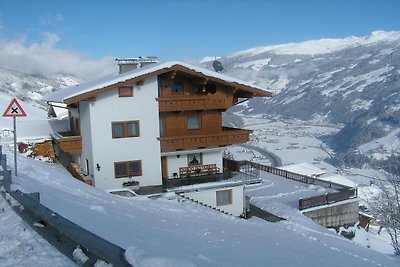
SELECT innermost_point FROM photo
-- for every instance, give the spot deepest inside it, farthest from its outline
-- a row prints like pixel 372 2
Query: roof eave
pixel 255 92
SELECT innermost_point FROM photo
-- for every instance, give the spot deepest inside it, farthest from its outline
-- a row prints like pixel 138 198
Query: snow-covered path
pixel 21 246
pixel 173 233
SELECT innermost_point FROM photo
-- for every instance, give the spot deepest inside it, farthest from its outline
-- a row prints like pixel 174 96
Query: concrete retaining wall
pixel 339 214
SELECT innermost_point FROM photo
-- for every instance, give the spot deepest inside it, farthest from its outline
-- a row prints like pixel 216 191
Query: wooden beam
pixel 173 69
pixel 172 75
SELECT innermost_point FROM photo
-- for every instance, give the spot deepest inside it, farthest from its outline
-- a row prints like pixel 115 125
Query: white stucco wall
pixel 209 197
pixel 96 118
pixel 86 133
pixel 174 162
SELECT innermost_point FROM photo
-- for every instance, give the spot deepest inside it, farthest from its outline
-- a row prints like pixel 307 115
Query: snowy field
pixel 173 232
pixel 281 196
pixel 298 142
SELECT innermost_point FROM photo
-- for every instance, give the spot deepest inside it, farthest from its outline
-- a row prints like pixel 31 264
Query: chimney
pixel 127 64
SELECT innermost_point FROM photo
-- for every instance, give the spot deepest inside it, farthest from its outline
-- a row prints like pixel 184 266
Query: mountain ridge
pixel 355 85
pixel 352 82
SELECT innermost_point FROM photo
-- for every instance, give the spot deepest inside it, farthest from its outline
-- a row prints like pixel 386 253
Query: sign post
pixel 14 110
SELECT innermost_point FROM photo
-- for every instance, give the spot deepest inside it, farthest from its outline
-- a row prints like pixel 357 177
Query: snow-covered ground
pixel 281 196
pixel 21 246
pixel 32 127
pixel 384 147
pixel 175 232
pixel 298 142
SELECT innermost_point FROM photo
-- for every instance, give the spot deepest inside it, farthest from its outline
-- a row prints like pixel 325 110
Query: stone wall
pixel 339 214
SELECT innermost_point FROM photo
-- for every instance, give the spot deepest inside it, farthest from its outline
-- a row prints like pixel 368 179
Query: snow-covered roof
pixel 58 110
pixel 338 179
pixel 304 168
pixel 88 89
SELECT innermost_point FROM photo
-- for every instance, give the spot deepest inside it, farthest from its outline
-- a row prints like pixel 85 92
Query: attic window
pixel 126 91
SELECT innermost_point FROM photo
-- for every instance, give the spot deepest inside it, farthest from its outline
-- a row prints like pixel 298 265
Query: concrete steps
pixel 204 204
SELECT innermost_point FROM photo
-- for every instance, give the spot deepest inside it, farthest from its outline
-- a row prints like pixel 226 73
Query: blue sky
pixel 187 30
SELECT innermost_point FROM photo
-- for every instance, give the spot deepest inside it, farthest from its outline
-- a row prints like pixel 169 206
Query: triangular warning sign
pixel 14 110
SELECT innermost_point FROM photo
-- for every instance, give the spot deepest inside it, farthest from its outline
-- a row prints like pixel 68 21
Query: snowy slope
pixel 352 82
pixel 322 46
pixel 23 247
pixel 32 87
pixel 172 233
pixel 35 125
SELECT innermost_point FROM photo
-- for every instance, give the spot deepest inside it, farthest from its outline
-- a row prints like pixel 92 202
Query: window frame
pixel 127 173
pixel 198 119
pixel 229 202
pixel 125 129
pixel 200 159
pixel 129 94
pixel 182 88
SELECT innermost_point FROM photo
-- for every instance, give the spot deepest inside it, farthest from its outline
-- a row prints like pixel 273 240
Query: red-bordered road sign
pixel 14 110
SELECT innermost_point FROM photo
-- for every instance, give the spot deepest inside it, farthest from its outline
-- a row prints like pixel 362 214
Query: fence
pixel 345 192
pixel 326 199
pixel 263 214
pixel 235 166
pixel 65 235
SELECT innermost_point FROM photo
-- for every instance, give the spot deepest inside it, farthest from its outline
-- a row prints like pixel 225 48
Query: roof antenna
pixel 217 66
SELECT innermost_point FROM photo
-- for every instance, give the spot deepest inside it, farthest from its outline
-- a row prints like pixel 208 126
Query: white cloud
pixel 44 58
pixel 51 19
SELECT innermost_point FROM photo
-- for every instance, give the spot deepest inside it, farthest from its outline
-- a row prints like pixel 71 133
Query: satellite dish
pixel 217 66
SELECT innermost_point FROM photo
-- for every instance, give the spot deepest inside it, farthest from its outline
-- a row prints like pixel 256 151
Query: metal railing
pixel 236 165
pixel 345 192
pixel 62 233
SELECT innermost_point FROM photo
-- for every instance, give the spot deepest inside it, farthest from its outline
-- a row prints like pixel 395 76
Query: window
pixel 194 159
pixel 125 91
pixel 193 122
pixel 224 197
pixel 177 88
pixel 128 168
pixel 125 129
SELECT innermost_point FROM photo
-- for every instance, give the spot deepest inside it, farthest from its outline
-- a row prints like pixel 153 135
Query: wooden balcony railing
pixel 198 170
pixel 192 103
pixel 228 137
pixel 68 142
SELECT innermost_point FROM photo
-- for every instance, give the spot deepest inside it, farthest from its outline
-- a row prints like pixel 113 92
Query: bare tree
pixel 386 208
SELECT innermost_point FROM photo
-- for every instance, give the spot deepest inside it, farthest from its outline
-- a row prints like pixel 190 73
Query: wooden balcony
pixel 193 103
pixel 228 136
pixel 198 170
pixel 68 142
